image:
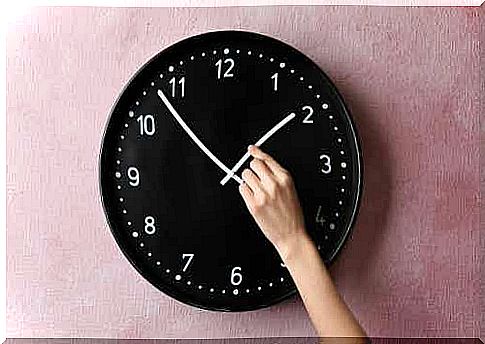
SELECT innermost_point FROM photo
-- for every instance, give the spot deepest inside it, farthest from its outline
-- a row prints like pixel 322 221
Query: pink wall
pixel 410 76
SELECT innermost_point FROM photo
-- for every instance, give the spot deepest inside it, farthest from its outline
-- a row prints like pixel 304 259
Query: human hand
pixel 270 195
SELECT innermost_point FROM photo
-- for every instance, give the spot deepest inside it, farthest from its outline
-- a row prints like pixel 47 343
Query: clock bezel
pixel 103 178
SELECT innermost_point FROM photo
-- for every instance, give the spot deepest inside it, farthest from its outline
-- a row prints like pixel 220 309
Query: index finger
pixel 256 152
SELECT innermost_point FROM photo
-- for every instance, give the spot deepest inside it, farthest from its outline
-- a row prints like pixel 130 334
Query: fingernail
pixel 250 147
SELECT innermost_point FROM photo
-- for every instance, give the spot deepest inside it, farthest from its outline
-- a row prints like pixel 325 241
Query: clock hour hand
pixel 263 139
pixel 195 138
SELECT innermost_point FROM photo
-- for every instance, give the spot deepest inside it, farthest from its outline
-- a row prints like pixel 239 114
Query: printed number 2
pixel 307 119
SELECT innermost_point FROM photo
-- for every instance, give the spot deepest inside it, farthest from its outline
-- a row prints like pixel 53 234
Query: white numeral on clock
pixel 134 176
pixel 308 119
pixel 149 225
pixel 147 124
pixel 227 73
pixel 319 218
pixel 236 277
pixel 275 81
pixel 189 257
pixel 327 168
pixel 181 82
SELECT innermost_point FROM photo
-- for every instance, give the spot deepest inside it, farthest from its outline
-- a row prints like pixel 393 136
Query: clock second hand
pixel 195 138
pixel 258 143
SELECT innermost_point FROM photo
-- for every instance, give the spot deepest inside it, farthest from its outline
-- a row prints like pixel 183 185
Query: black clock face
pixel 174 149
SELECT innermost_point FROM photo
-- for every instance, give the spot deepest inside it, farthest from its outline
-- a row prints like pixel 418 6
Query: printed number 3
pixel 327 168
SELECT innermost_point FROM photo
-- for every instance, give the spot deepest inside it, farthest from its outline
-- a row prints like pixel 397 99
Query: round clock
pixel 176 144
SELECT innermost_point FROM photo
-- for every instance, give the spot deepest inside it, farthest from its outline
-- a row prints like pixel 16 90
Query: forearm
pixel 327 310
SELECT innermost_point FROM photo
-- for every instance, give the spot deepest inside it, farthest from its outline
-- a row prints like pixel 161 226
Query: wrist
pixel 293 248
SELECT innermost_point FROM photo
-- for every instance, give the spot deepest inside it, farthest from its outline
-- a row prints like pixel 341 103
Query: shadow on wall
pixel 369 230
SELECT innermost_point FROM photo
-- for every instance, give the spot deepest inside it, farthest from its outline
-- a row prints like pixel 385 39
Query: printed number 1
pixel 275 81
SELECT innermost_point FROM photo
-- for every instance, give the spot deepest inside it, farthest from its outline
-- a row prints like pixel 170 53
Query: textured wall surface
pixel 411 79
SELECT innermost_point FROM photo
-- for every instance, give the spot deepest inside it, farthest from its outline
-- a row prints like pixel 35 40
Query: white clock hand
pixel 258 143
pixel 195 138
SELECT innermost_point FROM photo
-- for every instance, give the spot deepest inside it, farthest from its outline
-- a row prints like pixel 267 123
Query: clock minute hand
pixel 195 138
pixel 263 139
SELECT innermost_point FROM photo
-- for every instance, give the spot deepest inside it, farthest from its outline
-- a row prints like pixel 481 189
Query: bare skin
pixel 270 196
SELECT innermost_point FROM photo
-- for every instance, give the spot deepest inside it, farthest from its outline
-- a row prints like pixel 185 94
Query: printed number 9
pixel 134 176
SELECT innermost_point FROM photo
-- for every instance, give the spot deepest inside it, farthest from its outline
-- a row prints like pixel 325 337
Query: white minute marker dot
pixel 122 137
pixel 343 177
pixel 235 291
pixel 131 113
pixel 178 277
pixel 342 152
pixel 135 234
pixel 238 51
pixel 119 187
pixel 129 223
pixel 282 279
pixel 203 54
pixel 121 199
pixel 339 140
pixel 249 52
pixel 170 69
pixel 282 65
pixel 200 287
pixel 260 55
pixel 226 51
pixel 214 52
pixel 126 125
pixel 247 290
pixel 259 288
pixel 331 117
pixel 124 211
pixel 149 254
pixel 158 262
pixel 223 291
pixel 152 84
pixel 318 96
pixel 142 244
pixel 189 283
pixel 270 284
pixel 343 190
pixel 332 226
pixel 292 71
pixel 340 202
pixel 167 271
pixel 211 290
pixel 335 128
pixel 310 87
pixel 118 162
pixel 344 165
pixel 181 62
pixel 271 59
pixel 325 106
pixel 118 175
pixel 119 149
pixel 192 58
pixel 144 93
pixel 161 76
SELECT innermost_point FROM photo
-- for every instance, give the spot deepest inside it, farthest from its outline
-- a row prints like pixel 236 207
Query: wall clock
pixel 175 145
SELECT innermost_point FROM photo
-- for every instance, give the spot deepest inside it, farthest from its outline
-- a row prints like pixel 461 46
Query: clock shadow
pixel 353 265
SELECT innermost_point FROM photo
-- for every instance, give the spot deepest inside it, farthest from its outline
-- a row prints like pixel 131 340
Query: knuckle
pixel 286 178
pixel 272 187
pixel 245 174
